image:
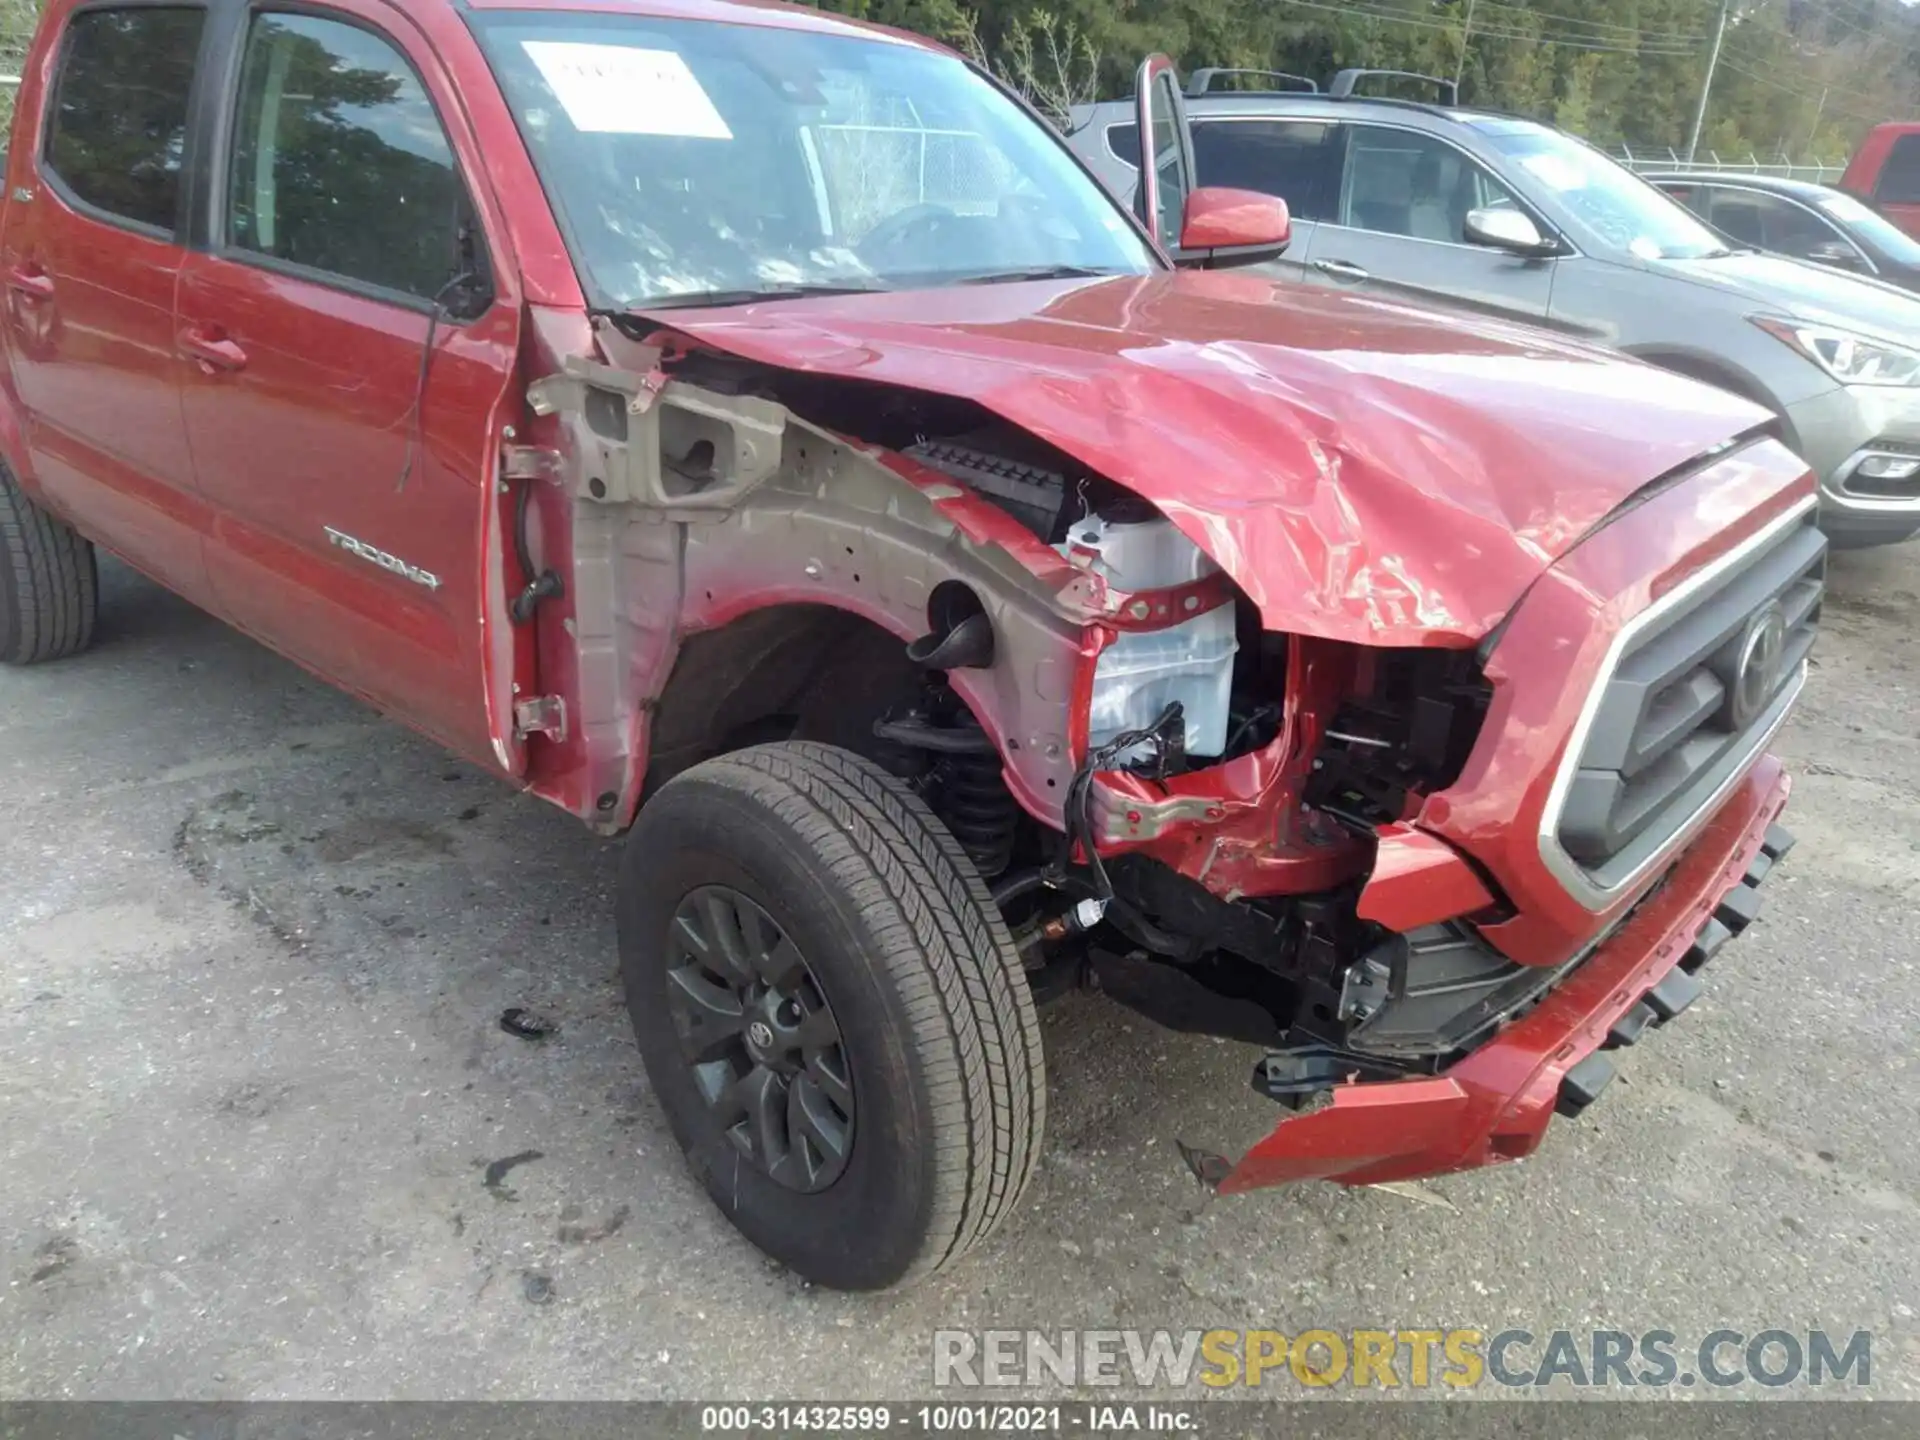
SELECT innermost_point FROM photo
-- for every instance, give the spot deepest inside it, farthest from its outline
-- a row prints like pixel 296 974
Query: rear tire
pixel 929 1011
pixel 49 584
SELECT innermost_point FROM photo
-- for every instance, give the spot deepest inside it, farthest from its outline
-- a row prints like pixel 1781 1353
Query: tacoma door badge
pixel 373 555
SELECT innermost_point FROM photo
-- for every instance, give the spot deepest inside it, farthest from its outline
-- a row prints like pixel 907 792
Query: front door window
pixel 340 163
pixel 1403 183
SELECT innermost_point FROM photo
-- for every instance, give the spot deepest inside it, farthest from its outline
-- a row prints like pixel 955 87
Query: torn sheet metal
pixel 689 508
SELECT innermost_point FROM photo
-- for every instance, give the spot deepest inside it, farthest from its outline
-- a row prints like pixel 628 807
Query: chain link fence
pixel 1819 172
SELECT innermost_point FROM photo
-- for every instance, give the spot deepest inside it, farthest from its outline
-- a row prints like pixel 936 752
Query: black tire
pixel 49 584
pixel 940 1035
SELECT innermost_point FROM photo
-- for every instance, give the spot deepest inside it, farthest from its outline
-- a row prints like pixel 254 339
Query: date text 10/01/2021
pixel 947 1419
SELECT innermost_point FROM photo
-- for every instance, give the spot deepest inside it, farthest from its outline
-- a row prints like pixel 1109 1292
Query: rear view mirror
pixel 1508 230
pixel 1239 227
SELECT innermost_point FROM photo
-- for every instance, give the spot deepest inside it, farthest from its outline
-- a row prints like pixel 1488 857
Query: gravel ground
pixel 264 1138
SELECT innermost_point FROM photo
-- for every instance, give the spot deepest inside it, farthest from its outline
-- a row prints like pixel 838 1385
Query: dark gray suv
pixel 1510 217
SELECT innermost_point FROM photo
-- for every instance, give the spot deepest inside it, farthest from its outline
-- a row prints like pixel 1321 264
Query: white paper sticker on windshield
pixel 618 90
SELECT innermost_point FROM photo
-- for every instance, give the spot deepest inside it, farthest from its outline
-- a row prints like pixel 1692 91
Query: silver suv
pixel 1518 219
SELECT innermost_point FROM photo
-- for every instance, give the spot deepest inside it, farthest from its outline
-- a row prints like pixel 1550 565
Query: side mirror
pixel 467 297
pixel 1225 226
pixel 1509 230
pixel 1837 253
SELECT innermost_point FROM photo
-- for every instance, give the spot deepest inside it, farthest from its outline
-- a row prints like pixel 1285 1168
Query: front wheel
pixel 832 1013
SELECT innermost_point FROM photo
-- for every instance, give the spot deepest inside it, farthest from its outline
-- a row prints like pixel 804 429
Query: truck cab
pixel 759 436
pixel 1886 173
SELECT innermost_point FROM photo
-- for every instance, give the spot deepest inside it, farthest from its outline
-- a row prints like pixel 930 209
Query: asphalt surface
pixel 264 1138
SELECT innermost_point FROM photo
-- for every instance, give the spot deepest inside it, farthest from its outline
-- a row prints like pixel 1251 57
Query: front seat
pixel 1430 213
pixel 1466 199
pixel 1376 200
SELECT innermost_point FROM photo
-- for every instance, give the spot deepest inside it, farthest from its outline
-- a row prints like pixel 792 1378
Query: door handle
pixel 31 281
pixel 1341 270
pixel 212 352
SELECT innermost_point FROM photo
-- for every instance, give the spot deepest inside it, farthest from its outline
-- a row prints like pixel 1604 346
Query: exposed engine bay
pixel 1300 974
pixel 1293 969
pixel 1216 834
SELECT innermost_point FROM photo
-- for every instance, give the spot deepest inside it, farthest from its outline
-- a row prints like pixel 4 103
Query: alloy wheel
pixel 760 1038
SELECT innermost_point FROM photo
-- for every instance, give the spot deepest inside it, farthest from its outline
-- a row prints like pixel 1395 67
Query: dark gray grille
pixel 1447 988
pixel 1689 702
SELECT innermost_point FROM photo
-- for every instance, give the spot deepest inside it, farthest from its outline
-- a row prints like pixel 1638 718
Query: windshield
pixel 689 159
pixel 1873 227
pixel 1620 207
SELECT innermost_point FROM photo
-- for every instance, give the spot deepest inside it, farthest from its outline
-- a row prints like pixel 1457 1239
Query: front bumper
pixel 1837 433
pixel 1495 1104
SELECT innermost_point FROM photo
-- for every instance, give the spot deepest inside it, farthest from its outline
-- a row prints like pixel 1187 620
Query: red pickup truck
pixel 756 434
pixel 1886 173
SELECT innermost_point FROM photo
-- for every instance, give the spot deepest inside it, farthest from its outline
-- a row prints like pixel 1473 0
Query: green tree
pixel 17 19
pixel 1799 76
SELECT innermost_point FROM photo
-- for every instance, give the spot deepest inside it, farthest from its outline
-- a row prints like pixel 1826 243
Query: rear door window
pixel 1696 198
pixel 1296 160
pixel 340 163
pixel 1740 215
pixel 1770 222
pixel 1900 180
pixel 1793 229
pixel 117 126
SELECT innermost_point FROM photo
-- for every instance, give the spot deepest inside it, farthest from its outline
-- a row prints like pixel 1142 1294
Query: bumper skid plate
pixel 1496 1103
pixel 1583 1084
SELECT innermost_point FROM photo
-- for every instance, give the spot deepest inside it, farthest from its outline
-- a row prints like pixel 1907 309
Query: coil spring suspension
pixel 979 810
pixel 967 791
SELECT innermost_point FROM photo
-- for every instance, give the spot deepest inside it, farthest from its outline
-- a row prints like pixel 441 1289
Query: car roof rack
pixel 1201 82
pixel 1346 84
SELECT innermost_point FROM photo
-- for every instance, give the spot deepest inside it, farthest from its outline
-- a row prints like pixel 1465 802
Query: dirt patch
pixel 58 1253
pixel 379 837
pixel 252 1100
pixel 495 1176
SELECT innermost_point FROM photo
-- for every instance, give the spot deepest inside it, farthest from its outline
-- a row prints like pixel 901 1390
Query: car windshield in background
pixel 690 159
pixel 1873 227
pixel 1616 204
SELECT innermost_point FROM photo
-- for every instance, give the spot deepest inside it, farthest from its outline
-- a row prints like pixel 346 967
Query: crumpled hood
pixel 1364 471
pixel 1778 286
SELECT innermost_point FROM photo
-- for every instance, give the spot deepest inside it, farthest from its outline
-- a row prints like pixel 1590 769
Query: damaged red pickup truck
pixel 757 433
